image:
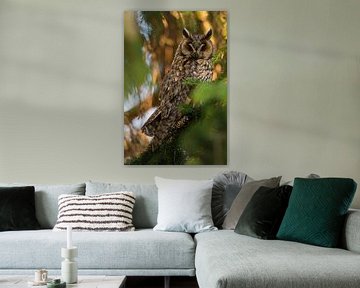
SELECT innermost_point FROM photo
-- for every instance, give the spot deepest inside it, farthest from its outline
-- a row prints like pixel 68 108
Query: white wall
pixel 294 69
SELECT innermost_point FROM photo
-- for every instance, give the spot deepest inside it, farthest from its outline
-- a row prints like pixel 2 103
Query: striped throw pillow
pixel 105 212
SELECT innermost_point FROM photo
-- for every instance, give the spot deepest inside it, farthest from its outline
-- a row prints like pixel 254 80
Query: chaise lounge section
pixel 225 259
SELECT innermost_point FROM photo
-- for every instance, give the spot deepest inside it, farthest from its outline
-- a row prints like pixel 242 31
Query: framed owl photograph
pixel 175 87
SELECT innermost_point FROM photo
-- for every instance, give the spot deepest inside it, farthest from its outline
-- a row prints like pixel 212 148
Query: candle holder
pixel 69 271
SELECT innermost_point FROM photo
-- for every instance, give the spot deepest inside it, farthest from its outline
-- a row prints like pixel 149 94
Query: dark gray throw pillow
pixel 225 189
pixel 17 209
pixel 46 199
pixel 263 214
pixel 243 198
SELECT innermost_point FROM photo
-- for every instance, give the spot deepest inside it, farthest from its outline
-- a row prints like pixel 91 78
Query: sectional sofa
pixel 218 259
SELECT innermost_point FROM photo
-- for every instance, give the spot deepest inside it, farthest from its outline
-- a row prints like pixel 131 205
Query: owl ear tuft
pixel 186 33
pixel 208 34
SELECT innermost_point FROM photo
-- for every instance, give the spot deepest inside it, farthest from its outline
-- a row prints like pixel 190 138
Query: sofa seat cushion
pixel 226 259
pixel 142 249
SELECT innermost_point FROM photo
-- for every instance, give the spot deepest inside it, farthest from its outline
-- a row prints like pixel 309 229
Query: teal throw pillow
pixel 316 211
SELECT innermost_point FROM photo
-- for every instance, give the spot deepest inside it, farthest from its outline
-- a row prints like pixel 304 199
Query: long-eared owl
pixel 192 60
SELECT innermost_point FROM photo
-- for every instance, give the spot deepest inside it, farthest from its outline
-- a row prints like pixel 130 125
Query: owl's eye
pixel 203 47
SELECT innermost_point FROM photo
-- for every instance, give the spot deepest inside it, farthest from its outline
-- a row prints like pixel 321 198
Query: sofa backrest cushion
pixel 146 204
pixel 17 209
pixel 46 200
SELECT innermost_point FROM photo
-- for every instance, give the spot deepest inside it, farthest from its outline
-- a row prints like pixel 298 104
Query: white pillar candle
pixel 69 237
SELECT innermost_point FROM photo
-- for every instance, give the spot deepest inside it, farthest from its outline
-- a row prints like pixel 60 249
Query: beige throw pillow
pixel 243 198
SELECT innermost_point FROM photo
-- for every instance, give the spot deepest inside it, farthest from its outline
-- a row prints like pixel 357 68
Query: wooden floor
pixel 158 282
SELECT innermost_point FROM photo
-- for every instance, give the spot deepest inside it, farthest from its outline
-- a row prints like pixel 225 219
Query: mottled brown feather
pixel 192 60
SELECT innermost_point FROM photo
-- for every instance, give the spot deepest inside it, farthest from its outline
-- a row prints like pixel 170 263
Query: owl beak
pixel 194 55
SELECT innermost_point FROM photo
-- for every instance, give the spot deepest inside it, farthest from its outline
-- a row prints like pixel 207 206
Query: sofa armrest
pixel 351 234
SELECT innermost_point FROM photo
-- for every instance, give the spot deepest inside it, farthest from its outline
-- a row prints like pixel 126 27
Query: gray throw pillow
pixel 184 205
pixel 226 187
pixel 243 198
